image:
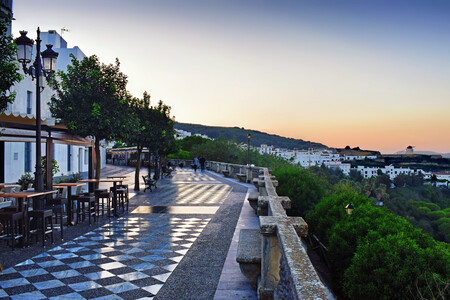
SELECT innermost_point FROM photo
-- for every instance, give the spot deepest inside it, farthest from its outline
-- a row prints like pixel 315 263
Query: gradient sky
pixel 373 74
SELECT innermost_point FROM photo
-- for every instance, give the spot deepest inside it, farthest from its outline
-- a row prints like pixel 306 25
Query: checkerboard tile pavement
pixel 129 258
pixel 192 194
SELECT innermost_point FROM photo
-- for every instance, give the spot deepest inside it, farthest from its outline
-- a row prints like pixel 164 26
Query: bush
pixel 73 178
pixel 25 180
pixel 396 266
pixel 304 189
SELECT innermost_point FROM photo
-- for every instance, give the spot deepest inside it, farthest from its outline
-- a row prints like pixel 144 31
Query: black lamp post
pixel 45 68
pixel 248 148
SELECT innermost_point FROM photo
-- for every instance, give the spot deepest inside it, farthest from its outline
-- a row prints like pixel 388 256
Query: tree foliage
pixel 92 100
pixel 304 189
pixel 9 74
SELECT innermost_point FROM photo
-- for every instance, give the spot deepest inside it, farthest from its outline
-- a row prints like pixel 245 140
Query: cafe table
pixel 114 181
pixel 4 185
pixel 25 196
pixel 24 200
pixel 71 218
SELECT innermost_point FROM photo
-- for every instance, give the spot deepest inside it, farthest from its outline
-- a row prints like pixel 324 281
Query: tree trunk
pixel 97 161
pixel 149 164
pixel 138 168
pixel 156 165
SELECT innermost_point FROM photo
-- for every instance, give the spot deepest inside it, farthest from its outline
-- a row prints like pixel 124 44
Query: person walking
pixel 195 165
pixel 202 163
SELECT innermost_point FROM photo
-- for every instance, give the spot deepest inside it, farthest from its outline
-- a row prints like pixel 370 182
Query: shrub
pixel 25 180
pixel 73 178
pixel 304 189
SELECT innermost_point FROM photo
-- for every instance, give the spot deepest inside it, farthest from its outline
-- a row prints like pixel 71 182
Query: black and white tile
pixel 129 258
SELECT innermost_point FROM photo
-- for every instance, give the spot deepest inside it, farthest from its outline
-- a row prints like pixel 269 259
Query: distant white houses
pixel 332 159
pixel 203 136
pixel 390 170
pixel 181 134
pixel 344 167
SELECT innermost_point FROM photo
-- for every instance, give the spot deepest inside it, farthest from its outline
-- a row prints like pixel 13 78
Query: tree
pixel 159 132
pixel 154 129
pixel 91 100
pixel 9 74
pixel 304 189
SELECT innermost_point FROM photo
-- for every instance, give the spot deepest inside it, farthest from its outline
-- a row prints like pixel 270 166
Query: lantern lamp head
pixel 49 60
pixel 349 208
pixel 24 47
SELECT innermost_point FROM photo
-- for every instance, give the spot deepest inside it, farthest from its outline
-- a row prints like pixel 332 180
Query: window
pixel 86 156
pixel 29 105
pixel 28 157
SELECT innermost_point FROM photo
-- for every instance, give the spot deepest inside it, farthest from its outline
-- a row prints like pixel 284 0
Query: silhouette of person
pixel 195 165
pixel 202 162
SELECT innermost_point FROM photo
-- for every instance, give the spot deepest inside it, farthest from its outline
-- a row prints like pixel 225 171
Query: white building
pixel 311 157
pixel 203 136
pixel 19 157
pixel 390 170
pixel 344 167
pixel 181 134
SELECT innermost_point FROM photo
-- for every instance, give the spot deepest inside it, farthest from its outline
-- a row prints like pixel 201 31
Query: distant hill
pixel 257 137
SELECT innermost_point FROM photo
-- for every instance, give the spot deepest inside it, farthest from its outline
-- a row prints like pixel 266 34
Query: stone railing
pixel 241 172
pixel 286 271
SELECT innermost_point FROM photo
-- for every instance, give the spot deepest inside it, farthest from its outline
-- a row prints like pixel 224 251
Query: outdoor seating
pixel 104 199
pixel 59 207
pixel 249 254
pixel 13 226
pixel 40 222
pixel 149 182
pixel 86 206
pixel 122 195
pixel 166 171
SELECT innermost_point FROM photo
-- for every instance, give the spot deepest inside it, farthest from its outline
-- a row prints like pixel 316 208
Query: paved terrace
pixel 178 242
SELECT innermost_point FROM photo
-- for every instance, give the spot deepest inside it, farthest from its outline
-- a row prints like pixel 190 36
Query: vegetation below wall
pixel 374 254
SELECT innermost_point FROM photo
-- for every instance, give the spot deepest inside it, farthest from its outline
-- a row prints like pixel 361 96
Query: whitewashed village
pixel 332 158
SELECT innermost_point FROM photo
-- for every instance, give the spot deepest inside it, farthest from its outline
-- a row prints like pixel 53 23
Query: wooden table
pixel 71 217
pixel 114 181
pixel 3 185
pixel 21 196
pixel 117 177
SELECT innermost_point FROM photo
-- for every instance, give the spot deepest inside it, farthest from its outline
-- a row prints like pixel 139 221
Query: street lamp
pixel 45 68
pixel 349 208
pixel 248 148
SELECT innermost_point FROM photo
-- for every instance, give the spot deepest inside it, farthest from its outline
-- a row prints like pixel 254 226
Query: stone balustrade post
pixel 249 174
pixel 231 170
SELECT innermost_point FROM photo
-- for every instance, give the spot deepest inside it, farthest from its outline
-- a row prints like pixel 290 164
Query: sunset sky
pixel 373 74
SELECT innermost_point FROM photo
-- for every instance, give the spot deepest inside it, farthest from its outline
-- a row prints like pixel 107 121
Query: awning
pixel 15 127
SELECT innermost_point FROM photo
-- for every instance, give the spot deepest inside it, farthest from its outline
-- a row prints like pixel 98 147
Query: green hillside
pixel 240 135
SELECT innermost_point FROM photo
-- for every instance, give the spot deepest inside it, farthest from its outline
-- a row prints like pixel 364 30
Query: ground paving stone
pixel 139 255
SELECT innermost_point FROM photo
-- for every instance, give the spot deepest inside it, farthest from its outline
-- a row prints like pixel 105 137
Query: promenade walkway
pixel 174 243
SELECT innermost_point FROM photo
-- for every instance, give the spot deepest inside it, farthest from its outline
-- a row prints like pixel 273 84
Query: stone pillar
pixel 249 174
pixel 270 266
